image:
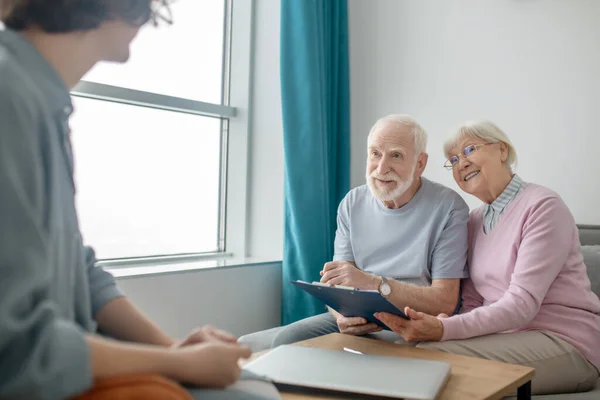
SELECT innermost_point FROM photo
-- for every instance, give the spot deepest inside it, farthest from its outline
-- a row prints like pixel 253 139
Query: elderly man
pixel 400 234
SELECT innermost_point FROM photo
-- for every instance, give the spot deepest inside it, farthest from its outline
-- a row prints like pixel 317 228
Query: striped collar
pixel 508 195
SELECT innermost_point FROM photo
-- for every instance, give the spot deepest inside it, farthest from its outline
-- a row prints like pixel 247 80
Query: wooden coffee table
pixel 470 378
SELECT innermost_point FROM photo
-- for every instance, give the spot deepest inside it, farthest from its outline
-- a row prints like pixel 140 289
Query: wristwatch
pixel 384 288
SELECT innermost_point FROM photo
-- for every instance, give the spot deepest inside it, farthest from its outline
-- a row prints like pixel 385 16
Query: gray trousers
pixel 559 367
pixel 308 328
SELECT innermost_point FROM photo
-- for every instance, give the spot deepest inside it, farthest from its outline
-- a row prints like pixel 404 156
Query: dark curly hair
pixel 62 16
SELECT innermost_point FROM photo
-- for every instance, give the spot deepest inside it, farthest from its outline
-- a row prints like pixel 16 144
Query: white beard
pixel 384 194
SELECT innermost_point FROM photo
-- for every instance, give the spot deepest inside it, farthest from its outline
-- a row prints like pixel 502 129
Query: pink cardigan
pixel 528 274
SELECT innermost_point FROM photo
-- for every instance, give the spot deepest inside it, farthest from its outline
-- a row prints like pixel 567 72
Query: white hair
pixel 486 131
pixel 416 130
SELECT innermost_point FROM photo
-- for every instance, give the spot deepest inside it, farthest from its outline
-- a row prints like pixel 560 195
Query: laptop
pixel 352 372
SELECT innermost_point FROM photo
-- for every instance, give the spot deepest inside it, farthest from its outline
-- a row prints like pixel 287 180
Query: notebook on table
pixel 340 371
pixel 351 302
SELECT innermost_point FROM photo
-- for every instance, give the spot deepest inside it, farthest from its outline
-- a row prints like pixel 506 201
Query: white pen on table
pixel 349 350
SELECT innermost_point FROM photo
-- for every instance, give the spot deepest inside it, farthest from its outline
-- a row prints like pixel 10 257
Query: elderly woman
pixel 528 300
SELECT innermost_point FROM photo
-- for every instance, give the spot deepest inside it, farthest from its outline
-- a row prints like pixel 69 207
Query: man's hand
pixel 207 334
pixel 421 327
pixel 354 325
pixel 209 364
pixel 347 274
pixel 212 363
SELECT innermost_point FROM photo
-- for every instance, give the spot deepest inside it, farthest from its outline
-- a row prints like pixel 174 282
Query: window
pixel 182 60
pixel 152 139
pixel 147 180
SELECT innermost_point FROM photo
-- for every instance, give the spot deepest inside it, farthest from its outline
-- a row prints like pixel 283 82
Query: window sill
pixel 173 267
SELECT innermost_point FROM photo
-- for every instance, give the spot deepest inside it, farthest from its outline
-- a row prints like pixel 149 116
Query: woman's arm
pixel 547 238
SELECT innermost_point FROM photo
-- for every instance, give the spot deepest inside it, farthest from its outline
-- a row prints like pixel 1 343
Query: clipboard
pixel 351 302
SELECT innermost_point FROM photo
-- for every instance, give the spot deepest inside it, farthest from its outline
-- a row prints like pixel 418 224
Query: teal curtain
pixel 316 123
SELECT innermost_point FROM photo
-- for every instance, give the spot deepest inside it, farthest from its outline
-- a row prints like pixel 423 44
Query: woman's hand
pixel 421 327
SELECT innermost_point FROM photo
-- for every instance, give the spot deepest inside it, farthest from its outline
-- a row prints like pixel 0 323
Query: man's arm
pixel 439 298
pixel 43 355
pixel 342 245
pixel 37 347
pixel 209 364
pixel 122 320
pixel 343 256
pixel 448 266
pixel 115 314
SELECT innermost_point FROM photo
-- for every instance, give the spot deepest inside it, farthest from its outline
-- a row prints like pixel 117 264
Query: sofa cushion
pixel 589 234
pixel 591 258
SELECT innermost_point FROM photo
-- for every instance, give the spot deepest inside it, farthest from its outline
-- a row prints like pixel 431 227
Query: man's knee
pixel 305 329
pixel 259 341
pixel 291 334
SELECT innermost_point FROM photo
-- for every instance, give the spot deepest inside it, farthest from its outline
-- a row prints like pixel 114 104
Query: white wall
pixel 238 299
pixel 531 66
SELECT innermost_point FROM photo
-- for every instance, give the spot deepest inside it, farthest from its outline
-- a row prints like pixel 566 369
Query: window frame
pixel 234 112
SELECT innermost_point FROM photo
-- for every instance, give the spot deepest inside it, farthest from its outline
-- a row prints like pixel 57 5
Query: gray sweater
pixel 50 288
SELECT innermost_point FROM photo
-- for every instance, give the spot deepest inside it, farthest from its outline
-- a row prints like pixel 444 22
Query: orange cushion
pixel 136 387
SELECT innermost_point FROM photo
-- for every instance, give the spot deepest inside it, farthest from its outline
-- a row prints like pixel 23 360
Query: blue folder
pixel 352 302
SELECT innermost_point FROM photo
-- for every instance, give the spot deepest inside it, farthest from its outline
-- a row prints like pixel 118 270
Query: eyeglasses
pixel 467 151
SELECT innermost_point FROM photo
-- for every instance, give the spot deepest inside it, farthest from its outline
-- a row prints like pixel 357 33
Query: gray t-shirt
pixel 425 239
pixel 50 288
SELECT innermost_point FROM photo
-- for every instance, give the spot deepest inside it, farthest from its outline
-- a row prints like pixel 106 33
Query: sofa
pixel 589 236
pixel 590 247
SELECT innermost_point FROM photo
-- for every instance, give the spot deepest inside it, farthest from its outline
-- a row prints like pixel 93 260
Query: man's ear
pixel 6 7
pixel 422 162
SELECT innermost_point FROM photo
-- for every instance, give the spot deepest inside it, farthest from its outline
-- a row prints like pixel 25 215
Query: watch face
pixel 386 289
